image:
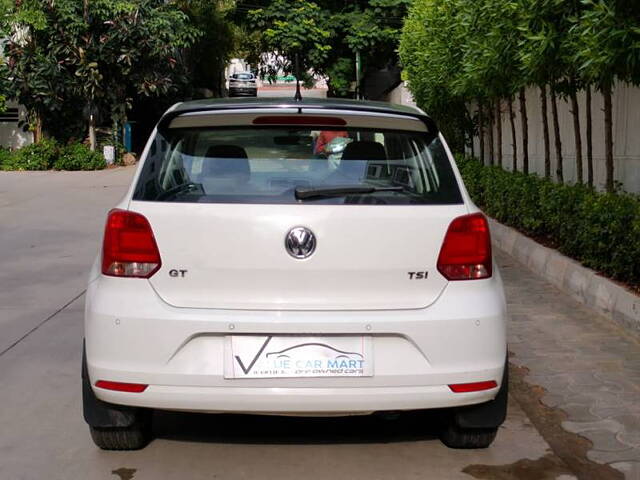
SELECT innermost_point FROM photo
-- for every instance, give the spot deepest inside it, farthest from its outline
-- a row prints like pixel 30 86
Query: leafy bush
pixel 601 230
pixel 5 157
pixel 37 156
pixel 79 157
pixel 47 154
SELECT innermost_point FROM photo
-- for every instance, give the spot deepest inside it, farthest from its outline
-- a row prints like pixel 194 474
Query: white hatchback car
pixel 246 271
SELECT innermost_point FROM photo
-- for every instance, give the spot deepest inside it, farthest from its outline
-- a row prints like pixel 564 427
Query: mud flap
pixel 486 415
pixel 102 414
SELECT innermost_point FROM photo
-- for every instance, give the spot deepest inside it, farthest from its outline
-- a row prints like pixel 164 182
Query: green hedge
pixel 78 157
pixel 48 154
pixel 5 156
pixel 37 156
pixel 601 230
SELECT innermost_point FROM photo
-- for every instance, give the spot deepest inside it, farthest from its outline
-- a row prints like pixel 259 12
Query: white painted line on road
pixel 42 323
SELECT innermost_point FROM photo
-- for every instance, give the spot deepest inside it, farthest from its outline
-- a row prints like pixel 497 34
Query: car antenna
pixel 298 96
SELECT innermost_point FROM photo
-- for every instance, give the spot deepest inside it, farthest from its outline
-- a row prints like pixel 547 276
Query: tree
pixel 525 130
pixel 5 84
pixel 293 28
pixel 489 59
pixel 207 58
pixel 544 62
pixel 94 57
pixel 326 34
pixel 568 86
pixel 482 52
pixel 458 51
pixel 431 55
pixel 608 49
pixel 589 136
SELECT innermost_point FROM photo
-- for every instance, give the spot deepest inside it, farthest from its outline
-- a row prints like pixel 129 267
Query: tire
pixel 476 426
pixel 466 438
pixel 114 427
pixel 134 437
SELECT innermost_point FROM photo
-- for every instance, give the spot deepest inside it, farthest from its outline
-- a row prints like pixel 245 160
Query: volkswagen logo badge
pixel 300 242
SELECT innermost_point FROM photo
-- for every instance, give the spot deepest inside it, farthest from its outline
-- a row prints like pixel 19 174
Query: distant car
pixel 244 273
pixel 243 85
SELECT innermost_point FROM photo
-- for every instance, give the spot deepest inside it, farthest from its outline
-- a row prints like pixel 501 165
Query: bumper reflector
pixel 472 387
pixel 122 387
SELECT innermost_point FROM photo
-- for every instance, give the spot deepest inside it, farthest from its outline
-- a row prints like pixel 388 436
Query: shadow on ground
pixel 278 430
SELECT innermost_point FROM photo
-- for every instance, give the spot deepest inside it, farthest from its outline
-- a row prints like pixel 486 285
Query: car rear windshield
pixel 243 76
pixel 273 165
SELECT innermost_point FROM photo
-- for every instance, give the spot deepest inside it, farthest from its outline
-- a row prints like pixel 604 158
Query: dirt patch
pixel 124 473
pixel 569 449
pixel 548 467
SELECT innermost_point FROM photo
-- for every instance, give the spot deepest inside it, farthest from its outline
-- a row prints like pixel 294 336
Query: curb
pixel 581 283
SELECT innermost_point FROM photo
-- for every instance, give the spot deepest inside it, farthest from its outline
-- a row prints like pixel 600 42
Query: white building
pixel 12 131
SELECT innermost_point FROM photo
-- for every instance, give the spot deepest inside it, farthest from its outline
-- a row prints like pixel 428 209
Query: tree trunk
pixel 575 111
pixel 525 131
pixel 491 143
pixel 608 136
pixel 37 130
pixel 514 140
pixel 481 130
pixel 499 131
pixel 589 139
pixel 556 133
pixel 545 131
pixel 469 133
pixel 92 133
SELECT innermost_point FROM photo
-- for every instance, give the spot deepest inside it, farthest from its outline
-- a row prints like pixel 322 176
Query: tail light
pixel 129 248
pixel 472 387
pixel 299 120
pixel 122 387
pixel 466 250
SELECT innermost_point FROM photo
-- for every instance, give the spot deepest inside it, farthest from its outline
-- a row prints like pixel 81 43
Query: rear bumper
pixel 133 336
pixel 295 400
pixel 241 91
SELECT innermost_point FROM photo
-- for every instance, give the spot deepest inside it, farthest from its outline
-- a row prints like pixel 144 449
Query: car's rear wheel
pixel 476 426
pixel 114 427
pixel 135 437
pixel 456 437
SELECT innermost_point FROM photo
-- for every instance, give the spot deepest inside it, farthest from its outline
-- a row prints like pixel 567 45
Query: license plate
pixel 269 356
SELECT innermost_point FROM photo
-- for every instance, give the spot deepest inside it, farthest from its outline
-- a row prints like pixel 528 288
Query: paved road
pixel 588 367
pixel 50 225
pixel 289 92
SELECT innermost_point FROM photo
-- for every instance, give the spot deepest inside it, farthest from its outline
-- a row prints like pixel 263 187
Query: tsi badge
pixel 300 242
pixel 418 275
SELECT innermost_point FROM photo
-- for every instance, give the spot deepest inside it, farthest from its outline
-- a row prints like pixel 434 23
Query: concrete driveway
pixel 50 228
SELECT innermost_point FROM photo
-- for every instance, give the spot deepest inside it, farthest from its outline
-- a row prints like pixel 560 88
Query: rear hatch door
pixel 234 256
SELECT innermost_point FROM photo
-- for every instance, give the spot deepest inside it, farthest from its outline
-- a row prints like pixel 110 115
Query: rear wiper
pixel 341 190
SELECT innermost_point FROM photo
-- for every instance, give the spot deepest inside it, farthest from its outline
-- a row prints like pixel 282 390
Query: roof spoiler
pixel 165 121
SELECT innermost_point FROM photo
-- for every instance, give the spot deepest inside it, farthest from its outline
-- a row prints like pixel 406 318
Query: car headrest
pixel 364 150
pixel 226 161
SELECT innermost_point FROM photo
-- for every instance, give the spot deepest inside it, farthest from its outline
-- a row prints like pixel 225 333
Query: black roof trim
pixel 308 103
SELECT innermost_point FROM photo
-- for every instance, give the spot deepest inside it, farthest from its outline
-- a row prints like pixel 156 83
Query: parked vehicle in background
pixel 243 84
pixel 244 273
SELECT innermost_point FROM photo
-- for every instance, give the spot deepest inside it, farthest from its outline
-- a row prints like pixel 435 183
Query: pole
pixel 298 96
pixel 358 68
